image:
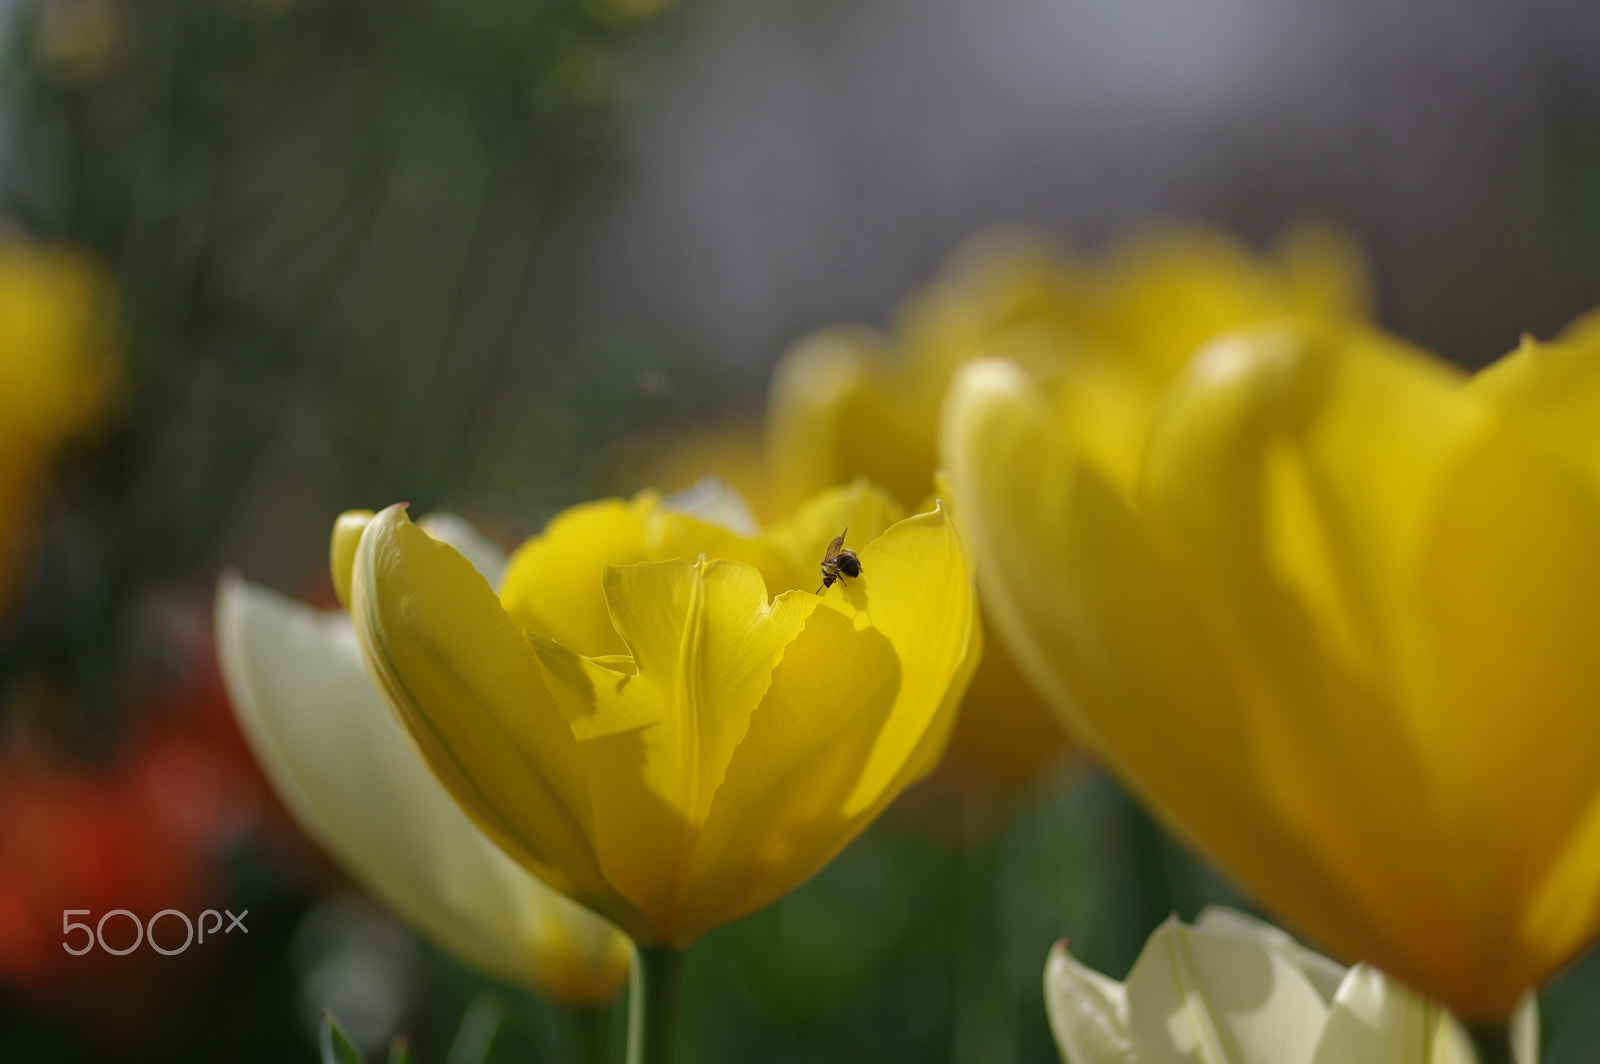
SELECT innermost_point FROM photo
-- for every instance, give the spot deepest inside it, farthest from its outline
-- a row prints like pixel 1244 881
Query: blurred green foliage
pixel 325 221
pixel 324 213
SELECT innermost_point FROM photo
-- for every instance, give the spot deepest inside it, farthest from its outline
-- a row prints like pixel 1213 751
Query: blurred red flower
pixel 135 831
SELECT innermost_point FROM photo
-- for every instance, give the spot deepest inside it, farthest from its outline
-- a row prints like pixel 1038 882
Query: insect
pixel 839 562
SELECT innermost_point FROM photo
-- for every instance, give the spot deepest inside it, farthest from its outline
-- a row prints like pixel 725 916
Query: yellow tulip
pixel 1331 611
pixel 344 767
pixel 56 370
pixel 852 402
pixel 657 715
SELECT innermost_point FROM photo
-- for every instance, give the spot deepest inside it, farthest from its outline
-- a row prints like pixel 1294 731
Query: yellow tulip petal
pixel 656 741
pixel 486 556
pixel 1550 395
pixel 1298 484
pixel 1121 641
pixel 1511 584
pixel 915 591
pixel 347 532
pixel 470 687
pixel 553 583
pixel 838 410
pixel 778 816
pixel 1302 467
pixel 860 706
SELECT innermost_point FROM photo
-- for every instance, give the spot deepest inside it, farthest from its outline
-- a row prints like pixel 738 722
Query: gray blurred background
pixel 785 165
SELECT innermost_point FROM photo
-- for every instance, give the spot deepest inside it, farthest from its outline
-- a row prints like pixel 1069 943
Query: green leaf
pixel 399 1050
pixel 477 1031
pixel 336 1046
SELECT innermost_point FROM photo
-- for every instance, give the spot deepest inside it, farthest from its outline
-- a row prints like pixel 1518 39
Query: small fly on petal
pixel 838 562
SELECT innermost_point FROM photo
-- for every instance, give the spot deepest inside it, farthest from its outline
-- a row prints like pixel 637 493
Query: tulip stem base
pixel 1491 1042
pixel 653 1004
pixel 586 1033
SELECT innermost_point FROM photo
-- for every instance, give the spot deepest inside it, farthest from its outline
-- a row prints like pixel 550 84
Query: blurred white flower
pixel 1234 990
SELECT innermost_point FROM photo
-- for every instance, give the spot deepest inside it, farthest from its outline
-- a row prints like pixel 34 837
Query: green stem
pixel 586 1033
pixel 1491 1042
pixel 653 1004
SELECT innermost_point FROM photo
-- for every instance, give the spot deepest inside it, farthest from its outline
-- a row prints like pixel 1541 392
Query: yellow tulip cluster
pixel 1322 600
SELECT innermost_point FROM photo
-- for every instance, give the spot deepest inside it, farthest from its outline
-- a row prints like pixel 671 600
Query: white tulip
pixel 1234 990
pixel 348 773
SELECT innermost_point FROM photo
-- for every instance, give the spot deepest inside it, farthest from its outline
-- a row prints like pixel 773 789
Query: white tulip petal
pixel 1453 1046
pixel 1088 1012
pixel 1325 974
pixel 1236 990
pixel 1196 997
pixel 1375 1019
pixel 1525 1031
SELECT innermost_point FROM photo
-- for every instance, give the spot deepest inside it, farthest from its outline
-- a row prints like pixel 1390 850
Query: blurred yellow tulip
pixel 638 720
pixel 353 780
pixel 1331 611
pixel 852 401
pixel 57 366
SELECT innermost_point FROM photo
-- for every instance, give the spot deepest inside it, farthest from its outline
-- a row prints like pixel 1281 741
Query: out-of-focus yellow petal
pixel 840 408
pixel 1510 583
pixel 1094 611
pixel 58 373
pixel 1549 394
pixel 733 451
pixel 1338 636
pixel 470 687
pixel 347 530
pixel 1111 332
